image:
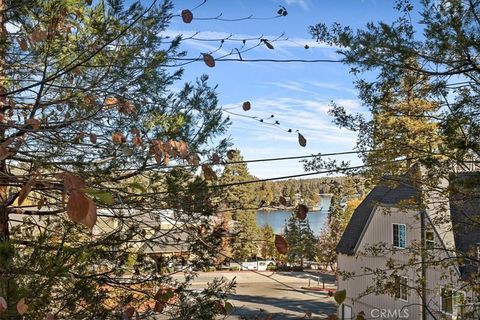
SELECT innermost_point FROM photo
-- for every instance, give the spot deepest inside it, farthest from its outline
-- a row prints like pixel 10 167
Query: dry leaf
pixel 208 172
pixel 231 154
pixel 137 141
pixel 215 158
pixel 129 312
pixel 72 182
pixel 246 106
pixel 118 138
pixel 127 108
pixel 209 60
pixel 93 138
pixel 281 244
pixel 23 44
pixel 187 16
pixel 3 152
pixel 135 131
pixel 50 316
pixel 35 123
pixel 81 209
pixel 41 203
pixel 109 102
pixel 182 149
pixel 268 44
pixel 301 140
pixel 25 190
pixel 22 307
pixel 282 201
pixel 302 211
pixel 3 304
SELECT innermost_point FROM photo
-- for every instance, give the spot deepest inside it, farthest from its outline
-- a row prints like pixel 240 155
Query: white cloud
pixel 304 4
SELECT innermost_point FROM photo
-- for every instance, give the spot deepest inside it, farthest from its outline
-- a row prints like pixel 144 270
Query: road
pixel 279 294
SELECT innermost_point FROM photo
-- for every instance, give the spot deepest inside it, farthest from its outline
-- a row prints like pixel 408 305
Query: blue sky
pixel 297 94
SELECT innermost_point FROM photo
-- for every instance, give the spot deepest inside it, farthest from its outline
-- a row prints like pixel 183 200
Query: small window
pixel 429 239
pixel 447 301
pixel 401 288
pixel 399 235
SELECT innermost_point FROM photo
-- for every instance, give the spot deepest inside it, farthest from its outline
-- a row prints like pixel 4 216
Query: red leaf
pixel 22 307
pixel 93 138
pixel 187 16
pixel 34 123
pixel 215 158
pixel 3 304
pixel 137 141
pixel 129 312
pixel 25 190
pixel 81 209
pixel 246 106
pixel 208 172
pixel 209 60
pixel 281 244
pixel 118 138
pixel 301 140
pixel 302 211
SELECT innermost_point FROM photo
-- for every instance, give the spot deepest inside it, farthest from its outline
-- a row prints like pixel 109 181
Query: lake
pixel 278 218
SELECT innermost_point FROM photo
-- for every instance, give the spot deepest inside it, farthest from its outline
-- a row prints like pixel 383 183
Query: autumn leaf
pixel 208 172
pixel 23 44
pixel 25 190
pixel 194 160
pixel 129 312
pixel 301 140
pixel 3 304
pixel 71 181
pixel 302 211
pixel 281 244
pixel 127 108
pixel 137 141
pixel 34 123
pixel 340 296
pixel 215 158
pixel 81 209
pixel 282 201
pixel 118 138
pixel 268 44
pixel 50 316
pixel 41 203
pixel 209 60
pixel 93 138
pixel 22 307
pixel 109 102
pixel 187 16
pixel 246 106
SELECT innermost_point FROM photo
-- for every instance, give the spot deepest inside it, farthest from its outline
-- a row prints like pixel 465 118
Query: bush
pixel 234 268
pixel 272 267
pixel 290 268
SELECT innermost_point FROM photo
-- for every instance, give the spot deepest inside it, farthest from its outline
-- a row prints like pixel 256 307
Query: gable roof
pixel 465 215
pixel 390 191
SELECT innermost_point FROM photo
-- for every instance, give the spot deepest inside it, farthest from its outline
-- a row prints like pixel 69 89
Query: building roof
pixel 167 241
pixel 464 213
pixel 390 191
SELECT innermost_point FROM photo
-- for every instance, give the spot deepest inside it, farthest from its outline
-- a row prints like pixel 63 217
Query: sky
pixel 297 94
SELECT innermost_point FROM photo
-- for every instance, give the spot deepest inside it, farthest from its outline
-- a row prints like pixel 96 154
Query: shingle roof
pixel 391 190
pixel 465 215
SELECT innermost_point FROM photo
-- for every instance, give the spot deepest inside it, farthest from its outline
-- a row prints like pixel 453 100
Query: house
pixel 402 234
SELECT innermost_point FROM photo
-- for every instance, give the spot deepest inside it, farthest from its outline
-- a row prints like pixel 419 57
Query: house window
pixel 401 288
pixel 399 235
pixel 452 302
pixel 429 239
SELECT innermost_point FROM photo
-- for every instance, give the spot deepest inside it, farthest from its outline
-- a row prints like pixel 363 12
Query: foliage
pixel 91 123
pixel 301 240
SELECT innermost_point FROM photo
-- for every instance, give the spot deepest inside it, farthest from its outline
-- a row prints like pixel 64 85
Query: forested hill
pixel 307 191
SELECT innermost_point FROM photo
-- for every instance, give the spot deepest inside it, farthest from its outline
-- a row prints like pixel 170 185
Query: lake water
pixel 278 218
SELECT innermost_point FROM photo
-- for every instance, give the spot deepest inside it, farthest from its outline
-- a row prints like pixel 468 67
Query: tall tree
pixel 241 199
pixel 90 128
pixel 301 240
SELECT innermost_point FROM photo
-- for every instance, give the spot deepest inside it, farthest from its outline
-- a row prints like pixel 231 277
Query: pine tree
pixel 301 240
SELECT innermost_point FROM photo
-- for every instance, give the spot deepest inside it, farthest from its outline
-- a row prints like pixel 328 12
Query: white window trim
pixel 454 306
pixel 393 236
pixel 343 310
pixel 433 242
pixel 406 288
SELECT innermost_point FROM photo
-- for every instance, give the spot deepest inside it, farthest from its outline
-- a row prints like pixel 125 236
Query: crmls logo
pixel 390 314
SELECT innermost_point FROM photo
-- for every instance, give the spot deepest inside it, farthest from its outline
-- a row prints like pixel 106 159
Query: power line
pixel 262 60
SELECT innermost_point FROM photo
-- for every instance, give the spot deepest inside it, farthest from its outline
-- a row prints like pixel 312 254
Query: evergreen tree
pixel 301 240
pixel 240 198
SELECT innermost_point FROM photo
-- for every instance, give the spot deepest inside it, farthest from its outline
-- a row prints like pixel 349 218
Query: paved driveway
pixel 279 294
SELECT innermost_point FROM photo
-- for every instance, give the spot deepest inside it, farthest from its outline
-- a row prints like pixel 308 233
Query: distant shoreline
pixel 270 209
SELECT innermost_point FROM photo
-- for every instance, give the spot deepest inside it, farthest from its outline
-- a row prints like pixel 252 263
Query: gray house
pixel 401 234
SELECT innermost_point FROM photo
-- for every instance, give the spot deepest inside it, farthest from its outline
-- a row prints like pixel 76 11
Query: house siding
pixel 379 230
